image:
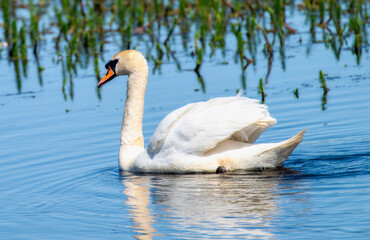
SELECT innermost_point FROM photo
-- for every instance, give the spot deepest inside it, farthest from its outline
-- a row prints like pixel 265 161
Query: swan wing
pixel 166 126
pixel 199 127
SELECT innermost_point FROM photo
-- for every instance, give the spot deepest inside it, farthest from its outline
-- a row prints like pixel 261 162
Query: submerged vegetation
pixel 80 30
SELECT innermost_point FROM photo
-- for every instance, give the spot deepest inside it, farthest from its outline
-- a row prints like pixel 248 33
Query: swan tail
pixel 279 152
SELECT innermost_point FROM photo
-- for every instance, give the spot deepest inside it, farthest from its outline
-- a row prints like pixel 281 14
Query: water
pixel 60 179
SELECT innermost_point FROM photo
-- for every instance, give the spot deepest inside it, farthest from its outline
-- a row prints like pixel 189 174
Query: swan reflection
pixel 207 206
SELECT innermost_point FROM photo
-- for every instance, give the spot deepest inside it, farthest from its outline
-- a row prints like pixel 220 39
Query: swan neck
pixel 132 141
pixel 132 133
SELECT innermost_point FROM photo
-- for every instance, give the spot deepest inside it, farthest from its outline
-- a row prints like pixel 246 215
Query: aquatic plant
pixel 325 90
pixel 261 90
pixel 82 28
pixel 323 82
pixel 5 8
pixel 296 93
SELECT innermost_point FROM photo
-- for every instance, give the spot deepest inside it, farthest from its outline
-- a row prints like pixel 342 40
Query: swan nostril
pixel 221 169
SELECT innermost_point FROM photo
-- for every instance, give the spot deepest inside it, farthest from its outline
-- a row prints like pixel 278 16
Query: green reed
pixel 325 90
pixel 5 7
pixel 261 90
pixel 296 93
pixel 83 28
pixel 323 82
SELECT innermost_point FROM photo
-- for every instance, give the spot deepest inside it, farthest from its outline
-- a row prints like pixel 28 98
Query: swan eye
pixel 112 64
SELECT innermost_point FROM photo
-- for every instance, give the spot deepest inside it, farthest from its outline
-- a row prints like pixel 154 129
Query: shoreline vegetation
pixel 81 30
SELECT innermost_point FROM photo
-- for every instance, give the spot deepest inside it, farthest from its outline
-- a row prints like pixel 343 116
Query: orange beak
pixel 108 76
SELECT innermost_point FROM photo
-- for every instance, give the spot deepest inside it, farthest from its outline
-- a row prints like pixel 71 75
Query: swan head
pixel 124 63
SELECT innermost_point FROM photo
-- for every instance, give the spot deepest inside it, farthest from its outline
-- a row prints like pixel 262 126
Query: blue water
pixel 58 158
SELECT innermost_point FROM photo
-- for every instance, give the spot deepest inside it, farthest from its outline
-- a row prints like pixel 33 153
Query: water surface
pixel 59 172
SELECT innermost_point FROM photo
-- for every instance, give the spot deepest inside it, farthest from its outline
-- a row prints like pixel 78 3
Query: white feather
pixel 199 127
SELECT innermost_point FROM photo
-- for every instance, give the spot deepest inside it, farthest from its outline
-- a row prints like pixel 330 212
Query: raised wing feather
pixel 197 128
pixel 166 126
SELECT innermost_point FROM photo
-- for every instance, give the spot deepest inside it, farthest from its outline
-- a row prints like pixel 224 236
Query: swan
pixel 213 136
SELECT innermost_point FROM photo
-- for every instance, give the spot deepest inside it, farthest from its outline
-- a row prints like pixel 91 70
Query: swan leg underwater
pixel 212 136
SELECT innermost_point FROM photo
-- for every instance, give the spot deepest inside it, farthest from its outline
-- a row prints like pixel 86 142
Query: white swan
pixel 211 136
